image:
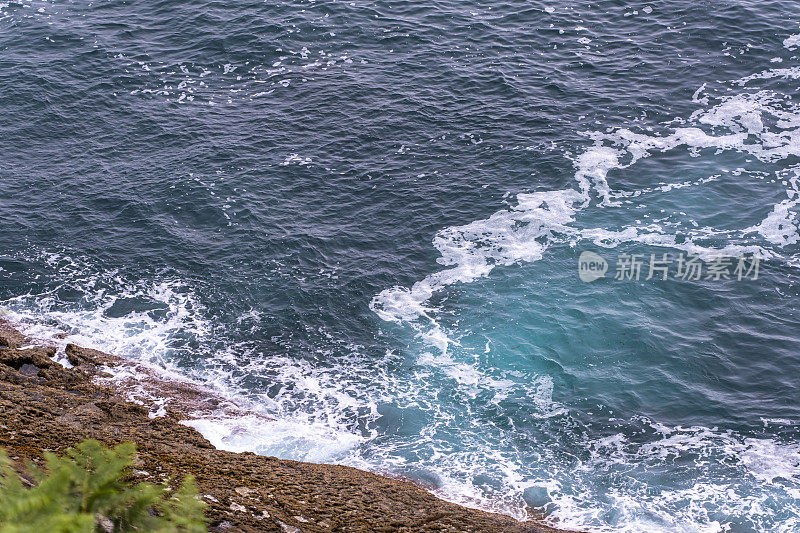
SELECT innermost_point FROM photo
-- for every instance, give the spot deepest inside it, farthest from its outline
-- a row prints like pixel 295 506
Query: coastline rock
pixel 44 406
pixel 37 357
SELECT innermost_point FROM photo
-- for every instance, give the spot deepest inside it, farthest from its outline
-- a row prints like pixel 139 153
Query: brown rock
pixel 39 357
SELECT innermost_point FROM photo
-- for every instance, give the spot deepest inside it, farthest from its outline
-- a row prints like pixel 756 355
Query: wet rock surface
pixel 47 407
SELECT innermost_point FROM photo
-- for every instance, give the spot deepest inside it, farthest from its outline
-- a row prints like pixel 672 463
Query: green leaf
pixel 89 484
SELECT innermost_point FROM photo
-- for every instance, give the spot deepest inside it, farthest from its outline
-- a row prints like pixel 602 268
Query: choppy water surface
pixel 366 218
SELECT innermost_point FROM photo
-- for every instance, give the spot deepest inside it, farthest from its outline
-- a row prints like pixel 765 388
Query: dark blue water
pixel 365 218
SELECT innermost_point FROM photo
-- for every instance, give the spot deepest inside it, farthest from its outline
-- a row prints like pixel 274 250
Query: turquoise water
pixel 365 220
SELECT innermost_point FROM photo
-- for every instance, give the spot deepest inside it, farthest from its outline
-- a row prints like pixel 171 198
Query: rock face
pixel 44 406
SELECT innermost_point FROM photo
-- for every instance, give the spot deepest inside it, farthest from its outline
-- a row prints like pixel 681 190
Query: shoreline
pixel 47 406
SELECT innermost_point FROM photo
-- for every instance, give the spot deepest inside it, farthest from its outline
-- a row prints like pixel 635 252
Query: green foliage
pixel 87 490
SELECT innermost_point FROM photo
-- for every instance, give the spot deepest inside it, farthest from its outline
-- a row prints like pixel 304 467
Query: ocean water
pixel 364 219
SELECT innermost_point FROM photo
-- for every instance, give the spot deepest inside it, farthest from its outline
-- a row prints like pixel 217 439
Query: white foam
pixel 770 462
pixel 313 442
pixel 711 459
pixel 296 159
pixel 791 73
pixel 137 335
pixel 475 249
pixel 792 42
pixel 780 226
